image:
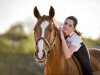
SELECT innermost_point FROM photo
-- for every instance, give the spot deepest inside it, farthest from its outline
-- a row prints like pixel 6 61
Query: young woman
pixel 73 44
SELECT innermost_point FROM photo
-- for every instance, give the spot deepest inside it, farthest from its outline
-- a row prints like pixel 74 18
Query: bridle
pixel 49 45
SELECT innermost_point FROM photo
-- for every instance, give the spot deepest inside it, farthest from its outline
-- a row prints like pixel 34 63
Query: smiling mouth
pixel 65 29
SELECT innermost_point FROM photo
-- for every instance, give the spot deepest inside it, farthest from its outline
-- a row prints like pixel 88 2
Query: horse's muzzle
pixel 40 60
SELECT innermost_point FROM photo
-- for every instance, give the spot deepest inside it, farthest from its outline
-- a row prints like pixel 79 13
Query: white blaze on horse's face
pixel 43 25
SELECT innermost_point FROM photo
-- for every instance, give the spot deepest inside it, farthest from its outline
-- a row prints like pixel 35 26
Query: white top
pixel 75 40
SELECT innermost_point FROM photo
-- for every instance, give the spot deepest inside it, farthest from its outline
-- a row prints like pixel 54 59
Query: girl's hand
pixel 61 33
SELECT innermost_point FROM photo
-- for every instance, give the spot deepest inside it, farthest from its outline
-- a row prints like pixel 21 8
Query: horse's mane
pixel 56 24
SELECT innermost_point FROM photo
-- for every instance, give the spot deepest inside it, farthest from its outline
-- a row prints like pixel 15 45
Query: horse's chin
pixel 40 61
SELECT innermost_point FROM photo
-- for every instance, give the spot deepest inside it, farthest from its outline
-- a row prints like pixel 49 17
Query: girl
pixel 73 44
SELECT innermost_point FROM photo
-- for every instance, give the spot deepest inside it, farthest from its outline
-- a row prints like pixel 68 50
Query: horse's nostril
pixel 44 54
pixel 36 53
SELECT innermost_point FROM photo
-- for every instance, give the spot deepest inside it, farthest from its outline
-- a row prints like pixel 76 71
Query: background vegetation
pixel 17 52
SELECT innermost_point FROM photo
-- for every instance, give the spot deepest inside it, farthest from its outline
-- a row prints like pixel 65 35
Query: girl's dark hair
pixel 75 23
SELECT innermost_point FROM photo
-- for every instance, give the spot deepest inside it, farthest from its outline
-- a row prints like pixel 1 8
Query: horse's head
pixel 44 33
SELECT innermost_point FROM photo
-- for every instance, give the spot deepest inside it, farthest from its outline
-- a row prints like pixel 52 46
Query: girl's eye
pixel 65 23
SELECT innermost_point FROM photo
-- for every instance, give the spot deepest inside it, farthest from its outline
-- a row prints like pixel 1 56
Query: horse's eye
pixel 35 36
pixel 34 33
pixel 50 30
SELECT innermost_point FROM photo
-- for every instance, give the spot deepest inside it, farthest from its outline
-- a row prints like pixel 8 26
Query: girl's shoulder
pixel 76 37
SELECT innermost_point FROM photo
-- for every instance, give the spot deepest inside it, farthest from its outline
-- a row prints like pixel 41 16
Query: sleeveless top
pixel 75 40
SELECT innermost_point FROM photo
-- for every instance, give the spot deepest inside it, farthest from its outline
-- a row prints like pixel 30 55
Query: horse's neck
pixel 58 46
pixel 53 65
pixel 57 49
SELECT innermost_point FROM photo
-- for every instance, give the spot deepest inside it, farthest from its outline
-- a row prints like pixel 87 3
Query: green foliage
pixel 19 64
pixel 25 45
pixel 21 46
pixel 16 40
pixel 90 42
pixel 4 45
pixel 98 40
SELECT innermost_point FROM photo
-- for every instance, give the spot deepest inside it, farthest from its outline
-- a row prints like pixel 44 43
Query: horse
pixel 49 48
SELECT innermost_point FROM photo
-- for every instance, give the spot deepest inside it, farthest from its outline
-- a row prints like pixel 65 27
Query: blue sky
pixel 86 11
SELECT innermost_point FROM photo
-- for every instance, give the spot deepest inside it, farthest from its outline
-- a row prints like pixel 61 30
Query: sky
pixel 86 11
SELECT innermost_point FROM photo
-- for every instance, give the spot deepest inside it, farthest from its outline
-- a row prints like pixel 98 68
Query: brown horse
pixel 49 48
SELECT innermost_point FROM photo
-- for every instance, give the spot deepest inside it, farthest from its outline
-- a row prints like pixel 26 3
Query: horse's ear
pixel 36 13
pixel 51 12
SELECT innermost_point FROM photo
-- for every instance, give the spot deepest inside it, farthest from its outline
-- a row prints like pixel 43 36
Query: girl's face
pixel 68 27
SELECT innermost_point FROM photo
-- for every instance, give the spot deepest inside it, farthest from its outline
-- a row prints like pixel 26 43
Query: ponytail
pixel 78 32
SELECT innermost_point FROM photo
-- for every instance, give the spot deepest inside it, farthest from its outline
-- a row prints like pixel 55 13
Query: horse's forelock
pixel 56 24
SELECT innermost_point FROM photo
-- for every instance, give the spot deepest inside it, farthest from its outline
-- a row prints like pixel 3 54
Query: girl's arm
pixel 68 51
